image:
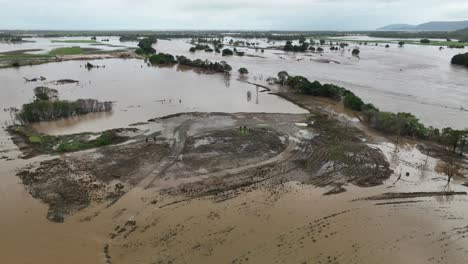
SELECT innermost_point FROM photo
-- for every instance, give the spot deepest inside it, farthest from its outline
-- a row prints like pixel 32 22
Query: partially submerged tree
pixel 283 77
pixel 356 52
pixel 401 43
pixel 243 71
pixel 43 93
pixel 227 52
pixel 162 59
pixel 146 45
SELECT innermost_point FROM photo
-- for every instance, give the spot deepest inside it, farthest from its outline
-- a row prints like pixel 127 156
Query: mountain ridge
pixel 429 26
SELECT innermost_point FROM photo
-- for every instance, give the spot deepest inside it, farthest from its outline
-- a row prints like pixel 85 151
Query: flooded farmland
pixel 216 168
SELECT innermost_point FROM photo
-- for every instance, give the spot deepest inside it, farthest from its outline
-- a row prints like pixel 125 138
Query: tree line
pixel 401 124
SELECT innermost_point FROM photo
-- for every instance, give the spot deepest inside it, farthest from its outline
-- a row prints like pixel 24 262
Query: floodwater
pixel 415 79
pixel 140 93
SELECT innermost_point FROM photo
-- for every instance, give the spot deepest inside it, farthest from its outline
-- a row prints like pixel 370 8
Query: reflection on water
pixel 139 92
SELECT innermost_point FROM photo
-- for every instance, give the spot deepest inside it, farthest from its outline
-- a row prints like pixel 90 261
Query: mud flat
pixel 236 151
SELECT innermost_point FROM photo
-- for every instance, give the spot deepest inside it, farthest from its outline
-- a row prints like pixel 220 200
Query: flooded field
pixel 140 92
pixel 415 79
pixel 39 45
pixel 215 169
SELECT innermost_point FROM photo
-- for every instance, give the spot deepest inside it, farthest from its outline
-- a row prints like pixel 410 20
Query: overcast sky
pixel 221 14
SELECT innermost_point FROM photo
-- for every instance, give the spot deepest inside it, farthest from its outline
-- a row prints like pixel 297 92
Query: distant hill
pixel 396 27
pixel 430 26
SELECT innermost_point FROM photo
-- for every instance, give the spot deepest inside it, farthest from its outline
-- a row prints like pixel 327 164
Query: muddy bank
pixel 72 182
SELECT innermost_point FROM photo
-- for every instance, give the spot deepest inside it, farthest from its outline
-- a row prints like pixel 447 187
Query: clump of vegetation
pixel 128 38
pixel 290 47
pixel 39 143
pixel 43 93
pixel 146 45
pixel 162 59
pixel 44 110
pixel 425 41
pixel 47 106
pixel 456 46
pixel 105 139
pixel 207 65
pixel 66 51
pixel 401 43
pixel 460 59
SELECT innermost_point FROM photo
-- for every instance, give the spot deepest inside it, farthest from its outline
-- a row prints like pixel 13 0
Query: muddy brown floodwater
pixel 415 79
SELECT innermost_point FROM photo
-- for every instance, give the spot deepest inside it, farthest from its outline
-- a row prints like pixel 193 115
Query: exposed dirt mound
pixel 71 183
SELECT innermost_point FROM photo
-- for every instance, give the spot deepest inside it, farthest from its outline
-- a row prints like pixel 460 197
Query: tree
pixel 146 45
pixel 243 71
pixel 356 52
pixel 425 41
pixel 353 102
pixel 227 52
pixel 401 43
pixel 387 46
pixel 283 77
pixel 302 39
pixel 43 93
pixel 162 59
pixel 322 42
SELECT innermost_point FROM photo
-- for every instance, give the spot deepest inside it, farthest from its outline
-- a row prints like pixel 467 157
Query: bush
pixel 356 52
pixel 353 102
pixel 243 71
pixel 460 59
pixel 227 52
pixel 425 41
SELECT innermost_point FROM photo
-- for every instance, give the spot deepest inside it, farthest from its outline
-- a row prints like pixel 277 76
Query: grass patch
pixel 23 56
pixel 77 41
pixel 66 51
pixel 39 143
pixel 105 139
pixel 36 139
